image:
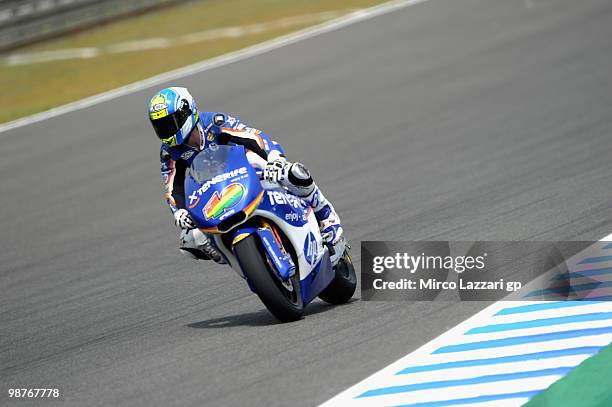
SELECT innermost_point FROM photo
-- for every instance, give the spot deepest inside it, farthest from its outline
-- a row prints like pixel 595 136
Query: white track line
pixel 212 63
pixel 167 42
pixel 457 335
pixel 56 55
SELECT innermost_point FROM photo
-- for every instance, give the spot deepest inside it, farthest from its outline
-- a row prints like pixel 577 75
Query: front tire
pixel 343 286
pixel 282 298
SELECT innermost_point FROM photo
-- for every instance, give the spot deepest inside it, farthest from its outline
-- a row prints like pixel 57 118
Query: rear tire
pixel 343 286
pixel 284 303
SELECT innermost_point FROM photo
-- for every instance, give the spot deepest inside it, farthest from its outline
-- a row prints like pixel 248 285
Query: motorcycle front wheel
pixel 281 297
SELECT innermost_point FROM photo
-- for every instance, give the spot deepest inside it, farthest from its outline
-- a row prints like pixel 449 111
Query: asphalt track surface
pixel 451 119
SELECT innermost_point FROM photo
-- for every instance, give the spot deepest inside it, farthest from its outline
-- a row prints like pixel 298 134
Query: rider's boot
pixel 197 245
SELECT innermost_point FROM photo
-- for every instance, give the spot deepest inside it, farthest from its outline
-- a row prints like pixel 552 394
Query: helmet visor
pixel 167 127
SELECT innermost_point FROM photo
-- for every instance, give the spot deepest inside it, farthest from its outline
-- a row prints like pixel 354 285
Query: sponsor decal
pixel 277 198
pixel 195 196
pixel 246 129
pixel 292 216
pixel 220 203
pixel 211 135
pixel 187 154
pixel 271 251
pixel 194 203
pixel 311 249
pixel 158 107
pixel 227 214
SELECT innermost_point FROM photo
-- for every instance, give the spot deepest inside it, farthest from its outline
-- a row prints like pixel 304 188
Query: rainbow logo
pixel 219 203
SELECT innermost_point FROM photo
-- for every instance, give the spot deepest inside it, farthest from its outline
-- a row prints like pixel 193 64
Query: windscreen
pixel 210 162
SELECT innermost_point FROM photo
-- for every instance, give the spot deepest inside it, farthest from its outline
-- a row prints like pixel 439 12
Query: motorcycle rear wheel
pixel 343 286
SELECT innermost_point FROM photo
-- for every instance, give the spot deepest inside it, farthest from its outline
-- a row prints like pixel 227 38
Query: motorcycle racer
pixel 185 131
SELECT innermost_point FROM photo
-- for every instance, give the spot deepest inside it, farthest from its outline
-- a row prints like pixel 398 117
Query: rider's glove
pixel 277 170
pixel 183 220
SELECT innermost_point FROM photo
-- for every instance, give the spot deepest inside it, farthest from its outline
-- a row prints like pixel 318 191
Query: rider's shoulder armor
pixel 214 122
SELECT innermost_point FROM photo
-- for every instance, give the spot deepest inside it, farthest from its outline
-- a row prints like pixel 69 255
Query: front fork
pixel 272 244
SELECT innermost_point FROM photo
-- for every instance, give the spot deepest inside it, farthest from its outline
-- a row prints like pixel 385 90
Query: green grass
pixel 587 385
pixel 32 88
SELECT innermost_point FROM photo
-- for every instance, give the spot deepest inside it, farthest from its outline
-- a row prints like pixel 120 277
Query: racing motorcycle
pixel 270 237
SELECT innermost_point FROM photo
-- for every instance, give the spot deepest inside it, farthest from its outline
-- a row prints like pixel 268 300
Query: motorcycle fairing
pixel 317 280
pixel 290 208
pixel 235 188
